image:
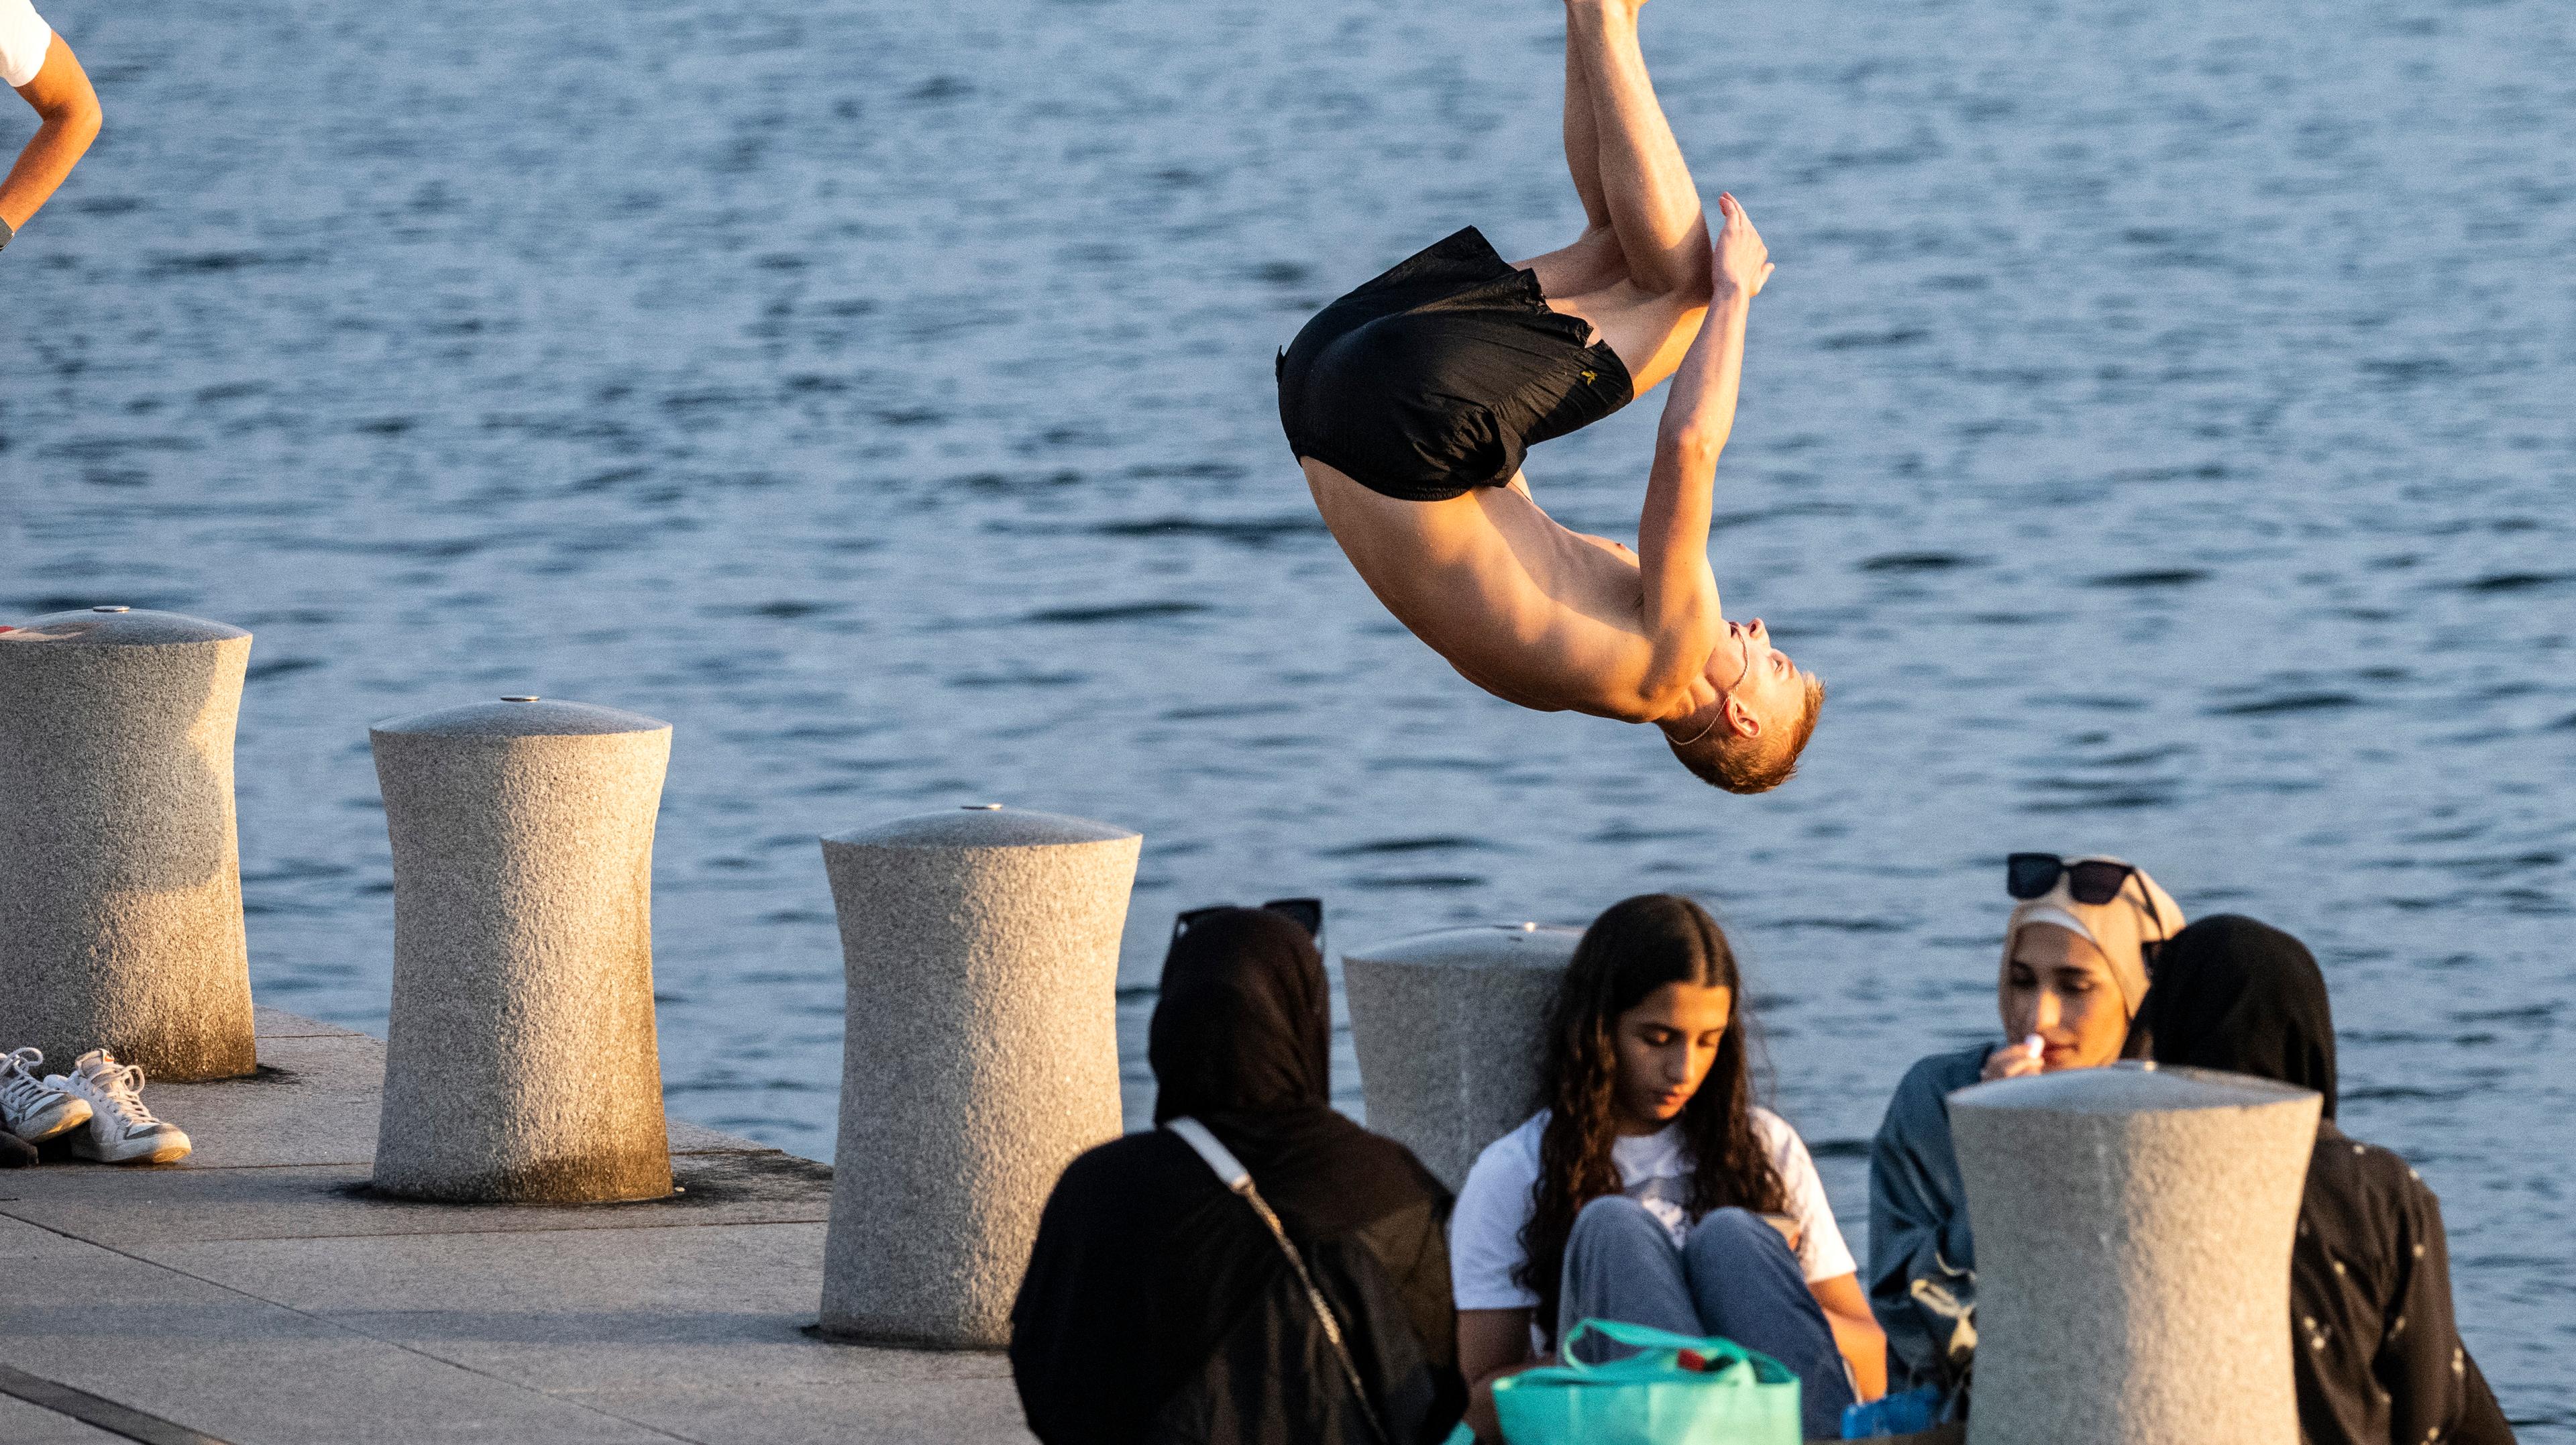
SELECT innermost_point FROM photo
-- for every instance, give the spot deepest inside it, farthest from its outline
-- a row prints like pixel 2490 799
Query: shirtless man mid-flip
pixel 1411 401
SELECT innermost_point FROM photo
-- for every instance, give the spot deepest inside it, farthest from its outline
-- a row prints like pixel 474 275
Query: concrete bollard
pixel 1449 1028
pixel 981 950
pixel 120 870
pixel 2133 1255
pixel 519 1062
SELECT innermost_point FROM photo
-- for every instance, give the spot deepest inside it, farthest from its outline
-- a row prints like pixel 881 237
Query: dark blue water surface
pixel 2158 433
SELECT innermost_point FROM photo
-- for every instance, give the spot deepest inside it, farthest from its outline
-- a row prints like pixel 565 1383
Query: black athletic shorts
pixel 1441 374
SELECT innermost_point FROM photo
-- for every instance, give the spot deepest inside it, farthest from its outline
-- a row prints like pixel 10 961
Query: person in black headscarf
pixel 1159 1307
pixel 2376 1352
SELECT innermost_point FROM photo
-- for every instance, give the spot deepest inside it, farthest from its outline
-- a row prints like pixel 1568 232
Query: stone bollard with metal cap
pixel 981 951
pixel 519 1061
pixel 1449 1028
pixel 120 870
pixel 2133 1255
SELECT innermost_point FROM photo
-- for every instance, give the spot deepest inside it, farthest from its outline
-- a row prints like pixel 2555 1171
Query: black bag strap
pixel 1231 1173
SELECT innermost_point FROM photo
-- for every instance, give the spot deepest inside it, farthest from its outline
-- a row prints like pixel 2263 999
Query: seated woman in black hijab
pixel 2377 1354
pixel 1160 1307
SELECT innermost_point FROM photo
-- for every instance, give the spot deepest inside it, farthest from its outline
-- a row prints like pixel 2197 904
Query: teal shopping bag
pixel 1650 1398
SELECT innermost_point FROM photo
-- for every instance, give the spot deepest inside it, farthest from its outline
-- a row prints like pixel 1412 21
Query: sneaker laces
pixel 20 1090
pixel 120 1084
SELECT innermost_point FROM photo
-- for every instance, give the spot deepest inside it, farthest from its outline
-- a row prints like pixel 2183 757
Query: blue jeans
pixel 1734 1276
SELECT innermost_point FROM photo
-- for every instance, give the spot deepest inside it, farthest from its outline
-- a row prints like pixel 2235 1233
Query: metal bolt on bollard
pixel 120 865
pixel 981 950
pixel 2133 1231
pixel 1449 1031
pixel 520 1064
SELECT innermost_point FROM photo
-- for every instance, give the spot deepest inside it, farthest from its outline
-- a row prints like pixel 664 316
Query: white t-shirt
pixel 24 36
pixel 1654 1170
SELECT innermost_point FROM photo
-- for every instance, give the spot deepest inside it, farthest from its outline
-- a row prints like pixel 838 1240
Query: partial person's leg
pixel 1651 312
pixel 1645 186
pixel 1582 129
pixel 1746 1285
pixel 1621 1265
pixel 1593 262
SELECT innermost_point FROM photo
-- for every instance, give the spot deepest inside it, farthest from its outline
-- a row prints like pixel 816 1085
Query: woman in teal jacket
pixel 2074 974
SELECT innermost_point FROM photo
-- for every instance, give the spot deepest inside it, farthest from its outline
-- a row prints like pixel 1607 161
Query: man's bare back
pixel 1411 401
pixel 1527 609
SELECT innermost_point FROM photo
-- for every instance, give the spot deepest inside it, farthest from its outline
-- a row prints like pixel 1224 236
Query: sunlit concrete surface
pixel 258 1294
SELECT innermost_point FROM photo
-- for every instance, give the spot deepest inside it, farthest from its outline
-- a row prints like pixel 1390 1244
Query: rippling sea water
pixel 2158 433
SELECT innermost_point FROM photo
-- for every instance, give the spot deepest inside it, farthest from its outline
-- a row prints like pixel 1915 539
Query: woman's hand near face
pixel 2011 1061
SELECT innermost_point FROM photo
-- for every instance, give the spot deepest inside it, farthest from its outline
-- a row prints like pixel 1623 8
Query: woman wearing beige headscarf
pixel 2077 953
pixel 2074 972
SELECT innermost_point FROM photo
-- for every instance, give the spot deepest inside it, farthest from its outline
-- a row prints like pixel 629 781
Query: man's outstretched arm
pixel 61 95
pixel 1681 608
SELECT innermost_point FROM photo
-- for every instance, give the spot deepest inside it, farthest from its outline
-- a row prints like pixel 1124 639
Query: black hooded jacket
pixel 1157 1306
pixel 2376 1352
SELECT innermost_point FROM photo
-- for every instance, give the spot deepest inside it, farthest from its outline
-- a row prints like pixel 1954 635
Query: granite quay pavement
pixel 258 1294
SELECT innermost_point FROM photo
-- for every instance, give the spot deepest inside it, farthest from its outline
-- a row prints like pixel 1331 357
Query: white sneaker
pixel 121 1130
pixel 31 1108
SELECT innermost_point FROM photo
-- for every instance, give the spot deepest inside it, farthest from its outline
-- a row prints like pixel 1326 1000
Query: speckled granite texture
pixel 261 1294
pixel 520 1059
pixel 981 949
pixel 120 876
pixel 1447 1027
pixel 2133 1255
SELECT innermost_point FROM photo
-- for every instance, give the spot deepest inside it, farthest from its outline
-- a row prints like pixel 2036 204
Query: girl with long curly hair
pixel 1650 1188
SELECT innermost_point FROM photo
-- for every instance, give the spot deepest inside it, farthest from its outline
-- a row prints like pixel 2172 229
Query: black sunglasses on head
pixel 1306 913
pixel 2092 880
